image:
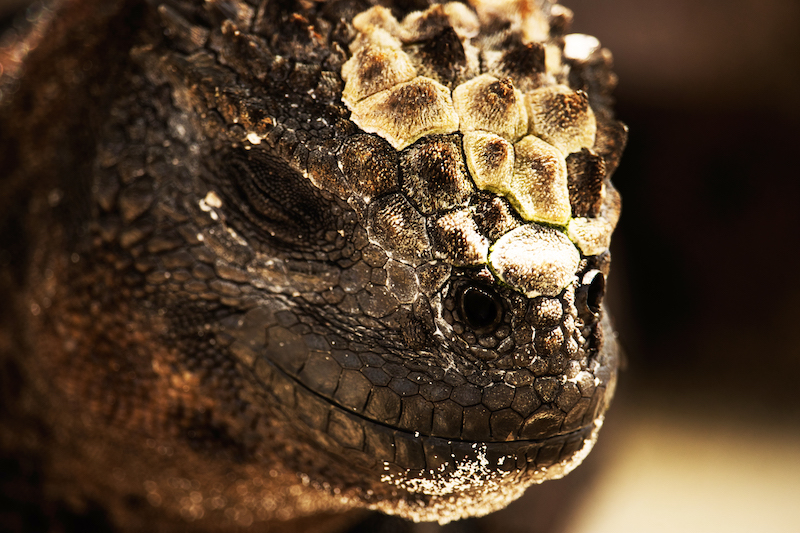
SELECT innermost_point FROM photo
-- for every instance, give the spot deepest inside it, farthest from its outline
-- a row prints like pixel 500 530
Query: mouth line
pixel 299 386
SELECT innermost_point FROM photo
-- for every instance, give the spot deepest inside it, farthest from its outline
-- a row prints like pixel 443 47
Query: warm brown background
pixel 705 435
pixel 708 246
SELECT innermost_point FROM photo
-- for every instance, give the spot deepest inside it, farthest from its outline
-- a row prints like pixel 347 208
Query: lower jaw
pixel 463 479
pixel 423 478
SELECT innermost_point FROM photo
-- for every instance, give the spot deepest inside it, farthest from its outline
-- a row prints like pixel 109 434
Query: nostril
pixel 591 292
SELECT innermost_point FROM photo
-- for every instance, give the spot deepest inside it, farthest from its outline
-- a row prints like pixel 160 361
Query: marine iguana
pixel 267 262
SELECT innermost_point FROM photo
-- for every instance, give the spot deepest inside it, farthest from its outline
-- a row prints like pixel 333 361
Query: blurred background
pixel 705 433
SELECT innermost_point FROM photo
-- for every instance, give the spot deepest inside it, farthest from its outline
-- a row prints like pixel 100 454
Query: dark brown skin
pixel 207 317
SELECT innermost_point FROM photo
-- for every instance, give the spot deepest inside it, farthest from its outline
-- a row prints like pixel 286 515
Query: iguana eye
pixel 592 291
pixel 480 307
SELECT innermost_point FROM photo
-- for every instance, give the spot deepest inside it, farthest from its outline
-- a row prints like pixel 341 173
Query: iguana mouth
pixel 320 402
pixel 422 464
pixel 419 396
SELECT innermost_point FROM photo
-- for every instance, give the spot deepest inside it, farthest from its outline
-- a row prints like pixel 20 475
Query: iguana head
pixel 369 246
pixel 431 227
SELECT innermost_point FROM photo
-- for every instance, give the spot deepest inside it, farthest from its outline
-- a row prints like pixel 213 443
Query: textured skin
pixel 230 304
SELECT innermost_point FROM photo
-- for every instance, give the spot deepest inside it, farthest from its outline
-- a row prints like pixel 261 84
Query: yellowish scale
pixel 515 142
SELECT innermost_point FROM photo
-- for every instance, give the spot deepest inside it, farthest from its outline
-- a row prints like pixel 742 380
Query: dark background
pixel 707 250
pixel 705 434
pixel 705 288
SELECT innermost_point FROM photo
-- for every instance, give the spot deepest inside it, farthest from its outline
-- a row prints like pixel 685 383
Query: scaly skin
pixel 275 262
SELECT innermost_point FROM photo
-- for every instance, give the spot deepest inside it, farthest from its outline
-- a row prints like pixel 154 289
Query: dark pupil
pixel 480 309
